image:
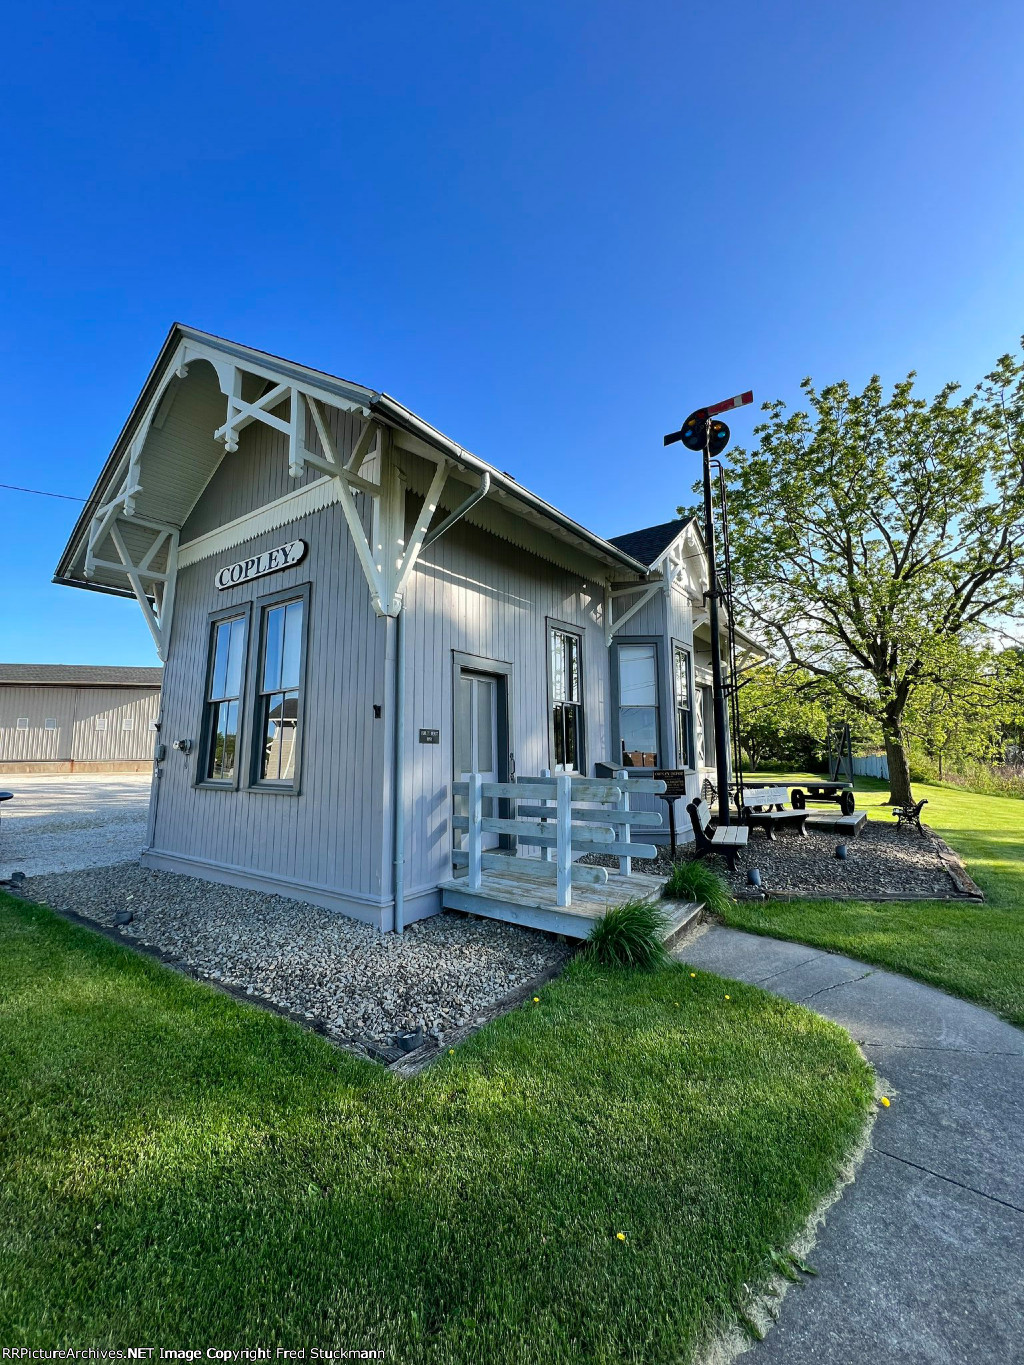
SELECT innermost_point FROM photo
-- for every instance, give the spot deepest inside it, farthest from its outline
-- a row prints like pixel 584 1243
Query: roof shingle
pixel 79 675
pixel 651 543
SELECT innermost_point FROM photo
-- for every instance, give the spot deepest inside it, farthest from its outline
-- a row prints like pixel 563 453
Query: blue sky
pixel 552 230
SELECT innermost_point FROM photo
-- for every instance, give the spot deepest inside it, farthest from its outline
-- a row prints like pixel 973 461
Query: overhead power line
pixel 40 493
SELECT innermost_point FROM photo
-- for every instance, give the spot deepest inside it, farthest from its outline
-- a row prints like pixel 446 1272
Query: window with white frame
pixel 22 723
pixel 50 723
pixel 225 675
pixel 279 692
pixel 684 712
pixel 101 722
pixel 638 705
pixel 128 723
pixel 566 681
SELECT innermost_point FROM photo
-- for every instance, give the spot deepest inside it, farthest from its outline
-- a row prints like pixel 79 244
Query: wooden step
pixel 682 919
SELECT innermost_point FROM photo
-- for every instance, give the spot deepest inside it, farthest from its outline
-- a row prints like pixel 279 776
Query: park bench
pixel 764 807
pixel 727 840
pixel 910 815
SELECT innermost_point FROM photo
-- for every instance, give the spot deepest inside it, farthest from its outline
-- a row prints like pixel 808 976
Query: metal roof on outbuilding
pixel 79 675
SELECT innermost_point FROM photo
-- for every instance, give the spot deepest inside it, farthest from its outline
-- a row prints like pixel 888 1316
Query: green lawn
pixel 976 951
pixel 182 1170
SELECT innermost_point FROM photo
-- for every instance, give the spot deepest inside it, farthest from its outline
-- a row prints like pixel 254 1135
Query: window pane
pixel 572 645
pixel 280 736
pixel 558 678
pixel 640 729
pixel 682 678
pixel 291 654
pixel 684 754
pixel 558 726
pixel 484 725
pixel 223 741
pixel 229 646
pixel 218 683
pixel 272 649
pixel 638 679
pixel 464 725
pixel 572 716
pixel 235 651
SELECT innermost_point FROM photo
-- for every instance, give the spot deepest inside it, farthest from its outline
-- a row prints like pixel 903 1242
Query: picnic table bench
pixel 727 840
pixel 839 792
pixel 765 807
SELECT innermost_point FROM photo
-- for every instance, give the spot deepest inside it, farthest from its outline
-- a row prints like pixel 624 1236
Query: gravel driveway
pixel 60 824
pixel 360 986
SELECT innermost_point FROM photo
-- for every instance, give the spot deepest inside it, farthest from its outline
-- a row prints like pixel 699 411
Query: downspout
pixel 398 779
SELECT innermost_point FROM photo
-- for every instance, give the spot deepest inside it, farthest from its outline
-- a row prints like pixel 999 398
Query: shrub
pixel 695 881
pixel 629 935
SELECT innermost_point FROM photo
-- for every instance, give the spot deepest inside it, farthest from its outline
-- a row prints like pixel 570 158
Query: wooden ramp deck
pixel 531 901
pixel 560 817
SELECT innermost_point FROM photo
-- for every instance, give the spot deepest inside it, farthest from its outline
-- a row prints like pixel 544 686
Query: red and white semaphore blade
pixel 740 401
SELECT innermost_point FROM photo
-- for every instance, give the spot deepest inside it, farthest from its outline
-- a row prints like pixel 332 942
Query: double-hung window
pixel 684 714
pixel 279 691
pixel 638 705
pixel 566 700
pixel 225 680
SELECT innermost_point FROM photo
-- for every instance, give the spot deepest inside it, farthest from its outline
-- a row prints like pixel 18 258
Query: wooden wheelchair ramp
pixel 561 817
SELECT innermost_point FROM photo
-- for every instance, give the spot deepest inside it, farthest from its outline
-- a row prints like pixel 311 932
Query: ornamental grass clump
pixel 629 935
pixel 695 881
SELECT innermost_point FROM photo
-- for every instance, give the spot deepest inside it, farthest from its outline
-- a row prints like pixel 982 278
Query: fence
pixel 872 765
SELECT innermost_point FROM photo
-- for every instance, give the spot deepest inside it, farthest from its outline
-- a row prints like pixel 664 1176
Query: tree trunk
pixel 899 764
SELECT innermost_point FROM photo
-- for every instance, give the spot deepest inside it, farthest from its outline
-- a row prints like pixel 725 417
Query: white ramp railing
pixel 589 815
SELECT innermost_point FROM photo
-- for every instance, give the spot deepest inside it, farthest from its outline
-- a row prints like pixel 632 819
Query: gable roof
pixel 650 543
pixel 79 675
pixel 186 453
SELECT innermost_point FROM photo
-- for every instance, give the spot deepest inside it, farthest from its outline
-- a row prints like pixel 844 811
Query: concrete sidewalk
pixel 922 1259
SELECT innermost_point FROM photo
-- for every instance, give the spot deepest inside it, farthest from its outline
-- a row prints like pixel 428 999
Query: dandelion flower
pixel 728 997
pixel 693 973
pixel 885 1101
pixel 536 999
pixel 621 1236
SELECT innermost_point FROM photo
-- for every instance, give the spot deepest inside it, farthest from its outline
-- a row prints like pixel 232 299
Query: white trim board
pixel 312 497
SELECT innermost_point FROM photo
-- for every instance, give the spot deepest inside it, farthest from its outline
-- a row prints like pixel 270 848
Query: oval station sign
pixel 283 557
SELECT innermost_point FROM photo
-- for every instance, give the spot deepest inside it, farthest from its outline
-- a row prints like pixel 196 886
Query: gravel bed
pixel 881 862
pixel 60 822
pixel 360 986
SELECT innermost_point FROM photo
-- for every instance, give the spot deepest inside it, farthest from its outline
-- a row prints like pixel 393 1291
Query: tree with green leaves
pixel 876 535
pixel 785 714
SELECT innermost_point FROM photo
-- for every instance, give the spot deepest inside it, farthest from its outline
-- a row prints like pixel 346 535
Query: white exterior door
pixel 476 737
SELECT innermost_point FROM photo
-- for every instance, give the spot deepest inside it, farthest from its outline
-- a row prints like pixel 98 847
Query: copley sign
pixel 284 557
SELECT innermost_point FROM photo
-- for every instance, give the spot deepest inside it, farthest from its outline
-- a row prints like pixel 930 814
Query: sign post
pixel 702 431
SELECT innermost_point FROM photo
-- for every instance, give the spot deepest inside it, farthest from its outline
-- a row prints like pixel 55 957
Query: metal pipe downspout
pixel 397 801
pixel 398 776
pixel 471 501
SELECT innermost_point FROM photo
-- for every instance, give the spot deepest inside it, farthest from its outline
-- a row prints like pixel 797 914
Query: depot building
pixel 354 612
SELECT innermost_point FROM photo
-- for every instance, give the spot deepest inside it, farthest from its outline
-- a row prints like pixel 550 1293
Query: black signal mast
pixel 703 431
